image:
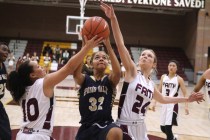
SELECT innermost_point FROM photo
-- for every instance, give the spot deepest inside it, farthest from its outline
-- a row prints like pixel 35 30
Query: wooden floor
pixel 195 126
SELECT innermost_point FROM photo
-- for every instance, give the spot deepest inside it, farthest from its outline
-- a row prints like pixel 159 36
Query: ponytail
pixel 17 81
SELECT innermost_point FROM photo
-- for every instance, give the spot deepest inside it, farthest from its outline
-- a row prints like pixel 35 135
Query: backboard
pixel 74 25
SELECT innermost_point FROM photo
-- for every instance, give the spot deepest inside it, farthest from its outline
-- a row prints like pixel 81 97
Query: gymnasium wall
pixel 190 36
pixel 44 22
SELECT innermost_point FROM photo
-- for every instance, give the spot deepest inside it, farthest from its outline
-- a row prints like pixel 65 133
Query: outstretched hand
pixel 91 43
pixel 108 10
pixel 196 96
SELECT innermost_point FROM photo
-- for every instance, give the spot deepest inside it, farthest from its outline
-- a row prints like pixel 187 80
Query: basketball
pixel 96 26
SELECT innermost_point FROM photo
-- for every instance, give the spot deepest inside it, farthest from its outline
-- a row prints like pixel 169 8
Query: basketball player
pixel 138 89
pixel 96 97
pixel 204 81
pixel 169 86
pixel 33 89
pixel 5 130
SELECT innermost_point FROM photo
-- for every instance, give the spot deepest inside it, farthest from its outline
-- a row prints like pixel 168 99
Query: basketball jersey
pixel 3 80
pixel 207 85
pixel 170 87
pixel 38 112
pixel 95 100
pixel 135 98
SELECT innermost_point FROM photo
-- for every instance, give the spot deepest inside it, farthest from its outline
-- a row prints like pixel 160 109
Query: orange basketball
pixel 96 26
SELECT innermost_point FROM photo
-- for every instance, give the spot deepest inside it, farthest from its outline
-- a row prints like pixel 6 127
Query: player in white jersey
pixel 169 86
pixel 204 81
pixel 33 89
pixel 138 89
pixel 207 85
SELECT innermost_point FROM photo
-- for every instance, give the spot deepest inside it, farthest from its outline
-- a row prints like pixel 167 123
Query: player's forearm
pixel 114 62
pixel 167 100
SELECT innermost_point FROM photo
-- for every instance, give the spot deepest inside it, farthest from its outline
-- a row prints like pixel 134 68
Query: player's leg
pixel 126 136
pixel 115 134
pixel 111 132
pixel 5 130
pixel 168 132
pixel 163 129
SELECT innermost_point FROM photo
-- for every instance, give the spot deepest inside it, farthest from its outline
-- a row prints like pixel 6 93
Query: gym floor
pixel 195 126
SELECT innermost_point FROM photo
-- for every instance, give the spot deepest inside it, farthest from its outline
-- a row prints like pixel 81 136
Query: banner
pixel 162 3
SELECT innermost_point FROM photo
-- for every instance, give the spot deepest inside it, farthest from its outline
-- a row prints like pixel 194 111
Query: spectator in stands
pixel 33 89
pixel 11 62
pixel 27 57
pixel 169 86
pixel 35 57
pixel 65 57
pixel 5 130
pixel 47 49
pixel 138 88
pixel 54 60
pixel 73 53
pixel 57 53
pixel 47 60
pixel 87 67
pixel 59 57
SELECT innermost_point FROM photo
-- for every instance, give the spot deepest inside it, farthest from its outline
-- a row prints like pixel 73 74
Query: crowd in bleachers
pixel 53 55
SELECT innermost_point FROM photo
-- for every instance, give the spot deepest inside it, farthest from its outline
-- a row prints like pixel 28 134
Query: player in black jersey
pixel 5 130
pixel 96 97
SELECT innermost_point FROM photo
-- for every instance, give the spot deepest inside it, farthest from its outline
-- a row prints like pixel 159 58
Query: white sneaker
pixel 176 137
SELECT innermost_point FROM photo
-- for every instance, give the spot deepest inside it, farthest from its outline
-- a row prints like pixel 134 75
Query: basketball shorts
pixel 38 135
pixel 133 130
pixel 169 115
pixel 94 132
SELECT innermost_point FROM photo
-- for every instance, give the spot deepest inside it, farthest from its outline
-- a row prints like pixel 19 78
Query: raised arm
pixel 78 76
pixel 200 84
pixel 114 76
pixel 166 99
pixel 206 74
pixel 54 78
pixel 128 63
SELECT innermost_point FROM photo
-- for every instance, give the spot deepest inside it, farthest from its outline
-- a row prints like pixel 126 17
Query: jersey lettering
pixel 3 77
pixel 167 92
pixel 138 107
pixel 31 104
pixel 169 85
pixel 93 89
pixel 208 84
pixel 144 91
pixel 93 101
pixel 2 88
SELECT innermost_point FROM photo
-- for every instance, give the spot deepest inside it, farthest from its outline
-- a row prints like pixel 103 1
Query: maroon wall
pixel 44 22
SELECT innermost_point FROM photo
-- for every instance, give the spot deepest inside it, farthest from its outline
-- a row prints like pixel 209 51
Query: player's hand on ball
pixel 95 41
